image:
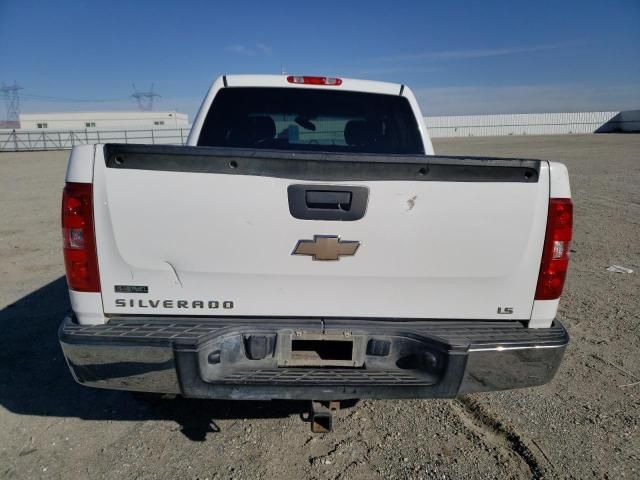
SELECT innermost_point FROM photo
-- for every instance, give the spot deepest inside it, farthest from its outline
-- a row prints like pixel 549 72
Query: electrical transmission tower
pixel 12 99
pixel 144 99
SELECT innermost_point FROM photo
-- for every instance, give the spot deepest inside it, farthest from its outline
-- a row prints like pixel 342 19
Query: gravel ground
pixel 582 425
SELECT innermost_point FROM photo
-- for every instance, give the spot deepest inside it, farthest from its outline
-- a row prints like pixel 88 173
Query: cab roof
pixel 350 84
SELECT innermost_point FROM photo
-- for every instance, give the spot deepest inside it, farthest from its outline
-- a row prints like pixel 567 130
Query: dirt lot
pixel 582 425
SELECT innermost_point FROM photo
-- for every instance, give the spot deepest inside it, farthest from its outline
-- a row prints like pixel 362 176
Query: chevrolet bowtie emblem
pixel 326 247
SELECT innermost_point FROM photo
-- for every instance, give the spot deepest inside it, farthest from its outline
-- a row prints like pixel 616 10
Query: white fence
pixel 17 140
pixel 455 126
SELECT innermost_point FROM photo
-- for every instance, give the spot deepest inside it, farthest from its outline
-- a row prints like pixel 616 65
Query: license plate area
pixel 302 349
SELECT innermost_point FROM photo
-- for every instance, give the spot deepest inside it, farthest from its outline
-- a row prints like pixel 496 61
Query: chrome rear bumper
pixel 240 358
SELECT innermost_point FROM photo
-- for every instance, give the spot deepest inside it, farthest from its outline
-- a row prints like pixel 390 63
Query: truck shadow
pixel 35 380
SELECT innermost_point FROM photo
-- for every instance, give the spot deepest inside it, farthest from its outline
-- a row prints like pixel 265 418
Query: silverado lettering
pixel 147 303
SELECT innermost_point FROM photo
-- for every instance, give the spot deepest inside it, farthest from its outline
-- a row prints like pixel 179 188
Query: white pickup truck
pixel 308 244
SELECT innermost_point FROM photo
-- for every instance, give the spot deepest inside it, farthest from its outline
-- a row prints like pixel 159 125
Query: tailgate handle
pixel 328 200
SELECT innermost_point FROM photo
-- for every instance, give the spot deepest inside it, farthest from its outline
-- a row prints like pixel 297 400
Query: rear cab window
pixel 311 120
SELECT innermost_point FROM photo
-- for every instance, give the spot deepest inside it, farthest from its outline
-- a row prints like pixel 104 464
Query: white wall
pixel 125 120
pixel 532 124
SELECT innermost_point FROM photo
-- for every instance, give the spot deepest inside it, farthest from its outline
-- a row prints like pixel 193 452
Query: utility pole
pixel 12 100
pixel 144 99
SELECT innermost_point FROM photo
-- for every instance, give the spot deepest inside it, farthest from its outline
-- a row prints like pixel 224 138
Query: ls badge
pixel 326 247
pixel 505 310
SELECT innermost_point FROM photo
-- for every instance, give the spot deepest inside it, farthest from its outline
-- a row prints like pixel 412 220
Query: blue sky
pixel 458 57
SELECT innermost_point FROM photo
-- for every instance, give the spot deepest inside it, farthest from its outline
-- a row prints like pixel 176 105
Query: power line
pixel 13 97
pixel 52 98
pixel 67 99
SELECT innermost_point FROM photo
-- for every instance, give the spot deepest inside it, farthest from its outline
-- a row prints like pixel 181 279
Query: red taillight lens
pixel 555 254
pixel 328 81
pixel 78 238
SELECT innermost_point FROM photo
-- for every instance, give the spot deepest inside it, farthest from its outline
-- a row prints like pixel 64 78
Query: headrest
pixel 262 128
pixel 250 131
pixel 361 133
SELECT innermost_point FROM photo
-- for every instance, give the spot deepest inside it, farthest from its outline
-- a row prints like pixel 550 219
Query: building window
pixel 159 122
pixel 43 125
pixel 89 124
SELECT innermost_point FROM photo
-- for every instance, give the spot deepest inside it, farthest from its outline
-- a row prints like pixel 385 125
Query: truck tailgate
pixel 210 231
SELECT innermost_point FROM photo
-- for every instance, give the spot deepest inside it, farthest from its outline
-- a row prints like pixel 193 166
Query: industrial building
pixel 115 120
pixel 533 124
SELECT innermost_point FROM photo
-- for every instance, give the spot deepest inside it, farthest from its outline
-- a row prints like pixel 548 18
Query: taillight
pixel 555 253
pixel 78 238
pixel 329 81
